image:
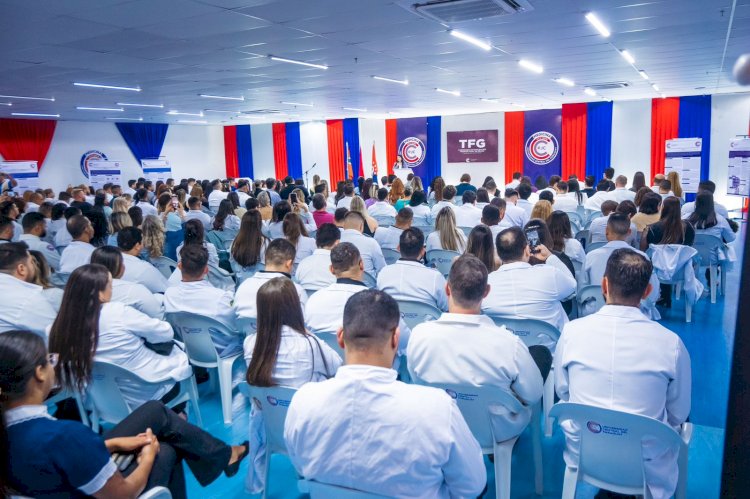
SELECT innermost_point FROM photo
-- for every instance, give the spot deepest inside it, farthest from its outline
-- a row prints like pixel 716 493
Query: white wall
pixel 631 138
pixel 730 115
pixel 487 121
pixel 262 138
pixel 373 130
pixel 195 151
pixel 314 145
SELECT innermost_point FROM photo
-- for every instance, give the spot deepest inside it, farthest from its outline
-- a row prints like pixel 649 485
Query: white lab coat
pixel 305 247
pixel 668 259
pixel 689 208
pixel 204 218
pixel 566 202
pixel 598 231
pixel 275 230
pixel 621 194
pixel 327 444
pixel 594 203
pixel 520 290
pixel 439 206
pixel 54 296
pixel 369 249
pixel 215 199
pixel 619 359
pixel 513 184
pixel 433 241
pixel 139 297
pixel 574 250
pixel 421 211
pixel 213 254
pixel 63 237
pixel 24 306
pixel 45 248
pixel 54 226
pixel 381 209
pixel 345 202
pixel 468 215
pixel 388 237
pixel 142 272
pixel 75 255
pixel 122 331
pixel 526 205
pixel 314 272
pixel 246 296
pixel 146 208
pixel 515 216
pixel 410 280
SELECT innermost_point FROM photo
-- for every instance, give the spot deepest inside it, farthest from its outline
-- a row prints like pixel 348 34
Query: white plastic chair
pixel 496 418
pixel 241 273
pixel 576 221
pixel 220 278
pixel 583 237
pixel 195 330
pixel 441 260
pixel 385 221
pixel 426 229
pixel 391 255
pixel 319 490
pixel 466 230
pixel 534 332
pixel 708 248
pixel 591 215
pixel 109 403
pixel 66 394
pixel 421 222
pixel 329 338
pixel 156 493
pixel 415 312
pixel 592 246
pixel 164 265
pixel 678 281
pixel 59 279
pixel 610 451
pixel 274 402
pixel 369 281
pixel 590 299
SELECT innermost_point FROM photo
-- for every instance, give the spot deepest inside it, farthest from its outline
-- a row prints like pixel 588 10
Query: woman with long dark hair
pixel 670 229
pixel 480 244
pixel 419 207
pixel 436 190
pixel 281 353
pixel 45 457
pixel 295 233
pixel 225 218
pixel 574 188
pixel 562 237
pixel 41 278
pixel 639 180
pixel 195 233
pixel 249 247
pixel 705 220
pixel 275 229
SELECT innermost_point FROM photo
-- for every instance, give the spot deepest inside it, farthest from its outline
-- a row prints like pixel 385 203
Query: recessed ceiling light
pixel 50 99
pixel 643 74
pixel 131 104
pixel 6 103
pixel 40 115
pixel 114 109
pixel 383 78
pixel 197 122
pixel 468 38
pixel 297 104
pixel 301 63
pixel 357 109
pixel 627 56
pixel 600 27
pixel 589 91
pixel 655 86
pixel 109 87
pixel 536 68
pixel 177 113
pixel 455 93
pixel 208 96
pixel 125 119
pixel 565 81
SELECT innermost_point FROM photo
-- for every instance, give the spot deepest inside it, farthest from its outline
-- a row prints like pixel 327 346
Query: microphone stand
pixel 307 181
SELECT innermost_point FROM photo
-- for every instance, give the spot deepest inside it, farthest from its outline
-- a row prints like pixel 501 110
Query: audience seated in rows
pixel 314 272
pixel 388 237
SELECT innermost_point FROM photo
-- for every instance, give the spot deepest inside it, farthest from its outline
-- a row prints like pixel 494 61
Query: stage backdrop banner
pixel 472 146
pixel 542 138
pixel 412 144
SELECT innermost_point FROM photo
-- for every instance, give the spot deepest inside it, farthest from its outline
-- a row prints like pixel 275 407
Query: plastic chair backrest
pixel 195 330
pixel 274 402
pixel 604 430
pixel 104 391
pixel 329 338
pixel 426 229
pixel 220 278
pixel 242 273
pixel 59 279
pixel 247 325
pixel 592 246
pixel 391 255
pixel 369 280
pixel 421 221
pixel 707 247
pixel 466 230
pixel 156 493
pixel 384 221
pixel 575 220
pixel 164 265
pixel 590 298
pixel 591 215
pixel 531 331
pixel 318 490
pixel 415 312
pixel 441 260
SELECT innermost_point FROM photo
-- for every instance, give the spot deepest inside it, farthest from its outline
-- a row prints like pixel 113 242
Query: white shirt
pixel 63 237
pixel 142 272
pixel 246 296
pixel 45 248
pixel 689 208
pixel 306 246
pixel 314 272
pixel 215 199
pixel 421 211
pixel 513 184
pixel 243 197
pixel 565 202
pixel 381 209
pixel 146 208
pixel 515 216
pixel 467 215
pixel 439 206
pixel 433 241
pixel 618 359
pixel 520 290
pixel 409 280
pixel 345 202
pixel 199 215
pixel 594 203
pixel 526 206
pixel 139 297
pixel 369 249
pixel 327 444
pixel 574 250
pixel 621 194
pixel 388 237
pixel 472 350
pixel 24 306
pixel 76 254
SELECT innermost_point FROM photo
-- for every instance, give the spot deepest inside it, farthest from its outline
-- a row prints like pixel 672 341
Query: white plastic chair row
pixel 442 260
pixel 709 248
pixel 391 255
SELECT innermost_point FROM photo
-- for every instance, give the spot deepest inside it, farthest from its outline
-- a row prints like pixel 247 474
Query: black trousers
pixel 543 359
pixel 179 440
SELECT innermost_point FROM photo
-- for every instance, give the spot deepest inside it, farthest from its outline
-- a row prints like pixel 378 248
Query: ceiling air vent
pixel 456 11
pixel 612 85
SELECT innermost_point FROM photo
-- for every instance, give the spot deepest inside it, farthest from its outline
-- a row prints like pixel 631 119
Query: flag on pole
pixel 374 164
pixel 349 172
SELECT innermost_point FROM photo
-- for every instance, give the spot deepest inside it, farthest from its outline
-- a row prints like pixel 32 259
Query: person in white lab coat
pixel 465 347
pixel 314 272
pixel 520 290
pixel 279 262
pixel 381 207
pixel 274 229
pixel 133 294
pixel 564 200
pixel 705 185
pixel 387 237
pixel 62 236
pixel 24 305
pixel 594 203
pixel 195 213
pixel 34 230
pixel 372 255
pixel 706 220
pixel 562 237
pixel 621 192
pixel 393 419
pixel 419 207
pixel 90 327
pixel 524 193
pixel 280 353
pixel 78 252
pixel 598 226
pixel 409 278
pixel 468 215
pixel 514 214
pixel 346 201
pixel 449 193
pixel 217 195
pixel 619 359
pixel 129 240
pixel 515 182
pixel 295 233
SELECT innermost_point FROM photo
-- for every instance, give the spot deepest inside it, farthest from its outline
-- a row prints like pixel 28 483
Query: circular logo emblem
pixel 594 427
pixel 542 148
pixel 451 393
pixel 272 400
pixel 412 151
pixel 89 156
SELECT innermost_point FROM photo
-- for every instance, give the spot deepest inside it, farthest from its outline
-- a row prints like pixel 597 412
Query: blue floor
pixel 709 340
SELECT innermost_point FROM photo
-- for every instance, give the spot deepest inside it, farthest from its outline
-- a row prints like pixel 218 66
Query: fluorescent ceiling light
pixel 125 119
pixel 536 68
pixel 177 113
pixel 130 104
pixel 565 81
pixel 110 87
pixel 358 109
pixel 383 78
pixel 468 38
pixel 589 91
pixel 6 103
pixel 222 111
pixel 114 109
pixel 517 105
pixel 207 96
pixel 455 93
pixel 50 99
pixel 655 86
pixel 600 27
pixel 297 104
pixel 199 122
pixel 301 63
pixel 627 56
pixel 37 114
pixel 643 74
pixel 491 101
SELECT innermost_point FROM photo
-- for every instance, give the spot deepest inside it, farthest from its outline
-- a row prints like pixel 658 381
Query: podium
pixel 402 173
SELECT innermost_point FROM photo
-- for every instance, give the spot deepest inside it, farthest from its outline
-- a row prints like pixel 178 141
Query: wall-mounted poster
pixel 472 146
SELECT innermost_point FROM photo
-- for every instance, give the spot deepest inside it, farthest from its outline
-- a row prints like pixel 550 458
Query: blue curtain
pixel 695 121
pixel 351 137
pixel 244 151
pixel 293 150
pixel 434 147
pixel 598 138
pixel 144 140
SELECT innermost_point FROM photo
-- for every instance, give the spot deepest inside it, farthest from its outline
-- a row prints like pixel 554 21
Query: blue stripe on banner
pixel 433 145
pixel 293 150
pixel 244 151
pixel 598 138
pixel 25 175
pixel 695 121
pixel 690 154
pixel 351 137
pixel 157 170
pixel 104 172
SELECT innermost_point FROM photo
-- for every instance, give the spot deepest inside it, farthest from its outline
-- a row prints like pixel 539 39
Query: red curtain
pixel 665 120
pixel 279 150
pixel 230 152
pixel 26 139
pixel 574 119
pixel 513 144
pixel 335 152
pixel 391 144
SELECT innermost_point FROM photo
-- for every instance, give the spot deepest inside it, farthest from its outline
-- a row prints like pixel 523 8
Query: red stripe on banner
pixel 574 117
pixel 336 152
pixel 230 151
pixel 665 121
pixel 391 144
pixel 279 150
pixel 513 144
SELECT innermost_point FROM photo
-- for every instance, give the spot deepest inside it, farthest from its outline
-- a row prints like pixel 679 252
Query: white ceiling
pixel 175 50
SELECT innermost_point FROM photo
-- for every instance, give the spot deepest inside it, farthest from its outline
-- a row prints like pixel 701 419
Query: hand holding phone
pixel 293 198
pixel 175 202
pixel 533 237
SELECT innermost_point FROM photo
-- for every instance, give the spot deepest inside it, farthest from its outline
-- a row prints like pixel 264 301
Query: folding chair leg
pixel 678 290
pixel 688 312
pixel 548 400
pixel 224 370
pixel 536 445
pixel 714 273
pixel 681 492
pixel 267 478
pixel 503 454
pixel 570 483
pixel 723 279
pixel 191 388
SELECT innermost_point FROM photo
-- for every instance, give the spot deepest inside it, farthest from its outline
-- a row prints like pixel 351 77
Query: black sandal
pixel 233 468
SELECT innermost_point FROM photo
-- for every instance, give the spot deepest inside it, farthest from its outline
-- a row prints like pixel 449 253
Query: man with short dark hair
pixel 314 271
pixel 665 189
pixel 465 185
pixel 130 241
pixel 468 215
pixel 63 237
pixel 408 278
pixel 372 255
pixel 7 229
pixel 619 359
pixel 34 230
pixel 514 214
pixel 588 189
pixel 387 237
pixel 705 185
pixel 392 419
pixel 320 213
pixel 270 189
pixel 130 189
pixel 492 216
pixel 513 184
pixel 288 187
pixel 78 252
pixel 594 203
pixel 609 174
pixel 217 195
pixel 196 213
pixel 524 192
pixel 346 201
pixel 564 200
pixel 243 190
pixel 339 216
pixel 449 192
pixel 382 207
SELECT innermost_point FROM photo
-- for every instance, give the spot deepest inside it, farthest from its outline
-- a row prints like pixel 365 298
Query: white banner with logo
pixel 684 157
pixel 26 173
pixel 738 175
pixel 104 172
pixel 156 169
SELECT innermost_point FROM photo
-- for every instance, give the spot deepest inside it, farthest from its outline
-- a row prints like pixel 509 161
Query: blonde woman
pixel 447 236
pixel 118 221
pixel 674 177
pixel 358 205
pixel 416 184
pixel 264 206
pixel 397 191
pixel 542 210
pixel 121 205
pixel 154 234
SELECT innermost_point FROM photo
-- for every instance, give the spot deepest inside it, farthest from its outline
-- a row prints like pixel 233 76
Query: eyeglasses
pixel 53 359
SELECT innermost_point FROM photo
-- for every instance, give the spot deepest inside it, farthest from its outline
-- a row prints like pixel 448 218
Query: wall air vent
pixel 456 11
pixel 612 85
